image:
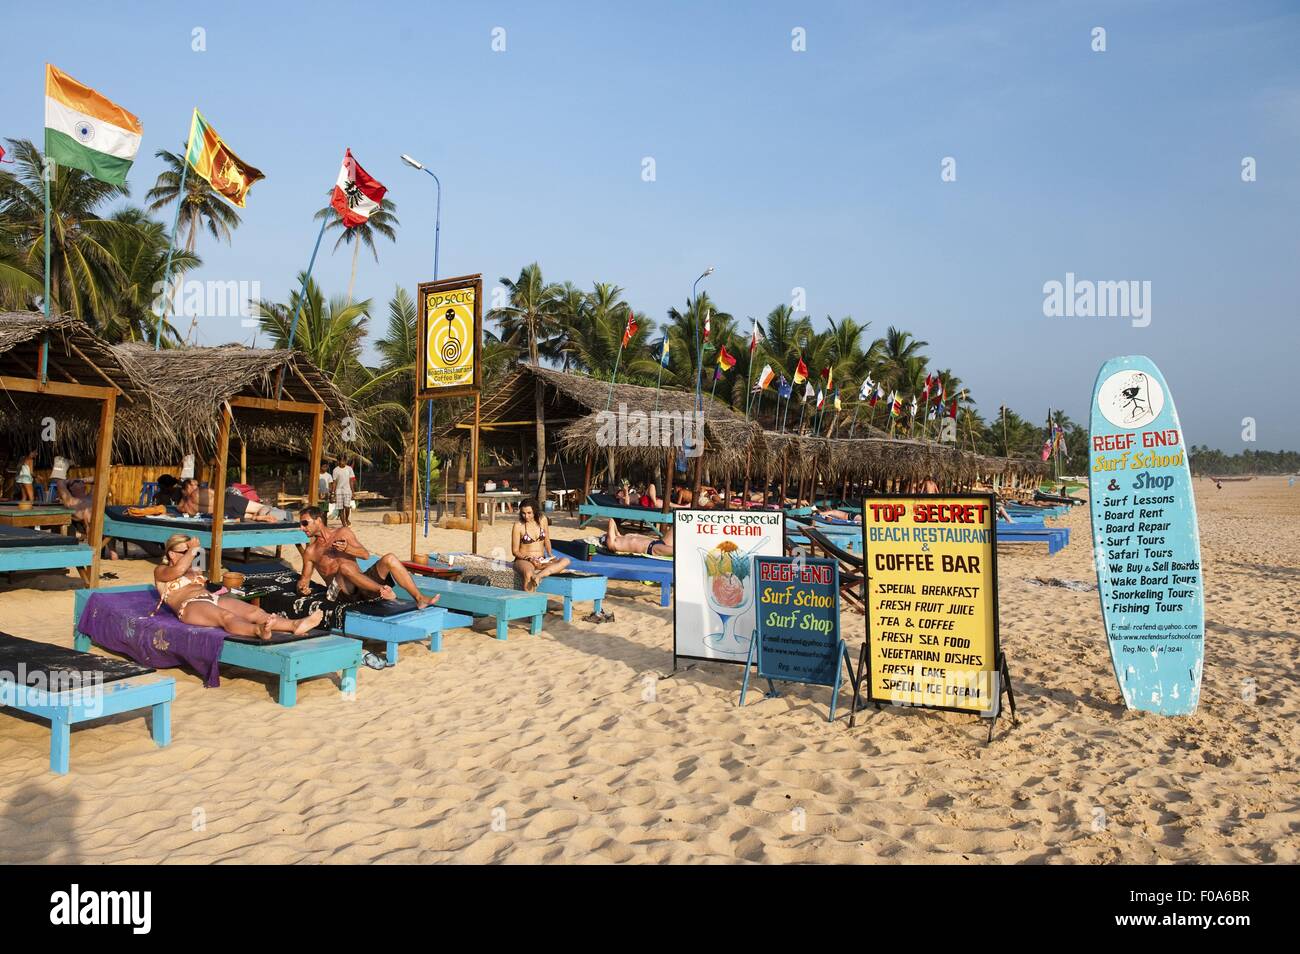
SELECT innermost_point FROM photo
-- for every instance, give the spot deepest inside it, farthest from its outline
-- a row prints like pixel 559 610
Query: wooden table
pixel 60 517
pixel 487 498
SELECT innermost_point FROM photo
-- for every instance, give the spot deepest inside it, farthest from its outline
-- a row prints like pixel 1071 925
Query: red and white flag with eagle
pixel 356 195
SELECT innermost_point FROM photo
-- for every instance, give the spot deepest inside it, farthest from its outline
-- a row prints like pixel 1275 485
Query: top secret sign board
pixel 932 602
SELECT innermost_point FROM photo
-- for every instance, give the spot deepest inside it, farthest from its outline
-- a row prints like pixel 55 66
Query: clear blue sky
pixel 817 169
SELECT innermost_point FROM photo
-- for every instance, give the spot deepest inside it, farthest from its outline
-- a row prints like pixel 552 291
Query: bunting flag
pixel 865 391
pixel 210 157
pixel 87 131
pixel 708 315
pixel 728 361
pixel 828 373
pixel 356 195
pixel 807 393
pixel 784 389
pixel 663 352
pixel 800 372
pixel 838 406
pixel 821 399
pixel 764 378
pixel 754 337
pixel 717 374
pixel 630 328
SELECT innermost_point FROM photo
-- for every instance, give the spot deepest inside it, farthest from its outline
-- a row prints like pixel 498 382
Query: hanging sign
pixel 450 337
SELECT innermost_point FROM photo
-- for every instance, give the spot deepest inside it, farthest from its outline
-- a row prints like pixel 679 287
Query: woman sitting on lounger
pixel 639 544
pixel 183 590
pixel 531 546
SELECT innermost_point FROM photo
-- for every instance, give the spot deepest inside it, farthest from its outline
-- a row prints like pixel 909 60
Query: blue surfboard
pixel 1145 538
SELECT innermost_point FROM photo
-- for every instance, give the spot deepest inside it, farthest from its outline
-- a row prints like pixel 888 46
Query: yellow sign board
pixel 451 335
pixel 932 602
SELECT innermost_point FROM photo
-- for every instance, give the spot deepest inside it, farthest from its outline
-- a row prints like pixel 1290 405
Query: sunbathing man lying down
pixel 334 554
pixel 638 543
pixel 184 592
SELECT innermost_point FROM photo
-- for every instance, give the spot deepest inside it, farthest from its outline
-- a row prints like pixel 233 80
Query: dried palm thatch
pixel 189 386
pixel 76 355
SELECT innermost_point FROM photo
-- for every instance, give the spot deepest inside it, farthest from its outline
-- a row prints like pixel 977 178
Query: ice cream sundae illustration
pixel 729 591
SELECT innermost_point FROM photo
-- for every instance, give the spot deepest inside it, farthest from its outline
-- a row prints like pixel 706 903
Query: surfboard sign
pixel 1145 538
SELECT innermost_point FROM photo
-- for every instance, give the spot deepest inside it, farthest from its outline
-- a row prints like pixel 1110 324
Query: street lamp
pixel 437 220
pixel 699 345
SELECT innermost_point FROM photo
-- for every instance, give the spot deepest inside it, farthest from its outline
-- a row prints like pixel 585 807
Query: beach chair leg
pixel 536 627
pixel 391 654
pixel 665 593
pixel 288 691
pixel 568 610
pixel 435 642
pixel 161 729
pixel 60 740
pixel 348 682
pixel 81 642
pixel 595 606
pixel 502 623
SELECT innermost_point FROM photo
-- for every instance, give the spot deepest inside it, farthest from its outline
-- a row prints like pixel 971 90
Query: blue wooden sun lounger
pixel 303 658
pixel 470 598
pixel 235 534
pixel 613 566
pixel 602 507
pixel 1056 538
pixel 23 549
pixel 394 622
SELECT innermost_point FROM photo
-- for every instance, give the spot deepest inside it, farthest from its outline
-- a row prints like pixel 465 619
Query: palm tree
pixel 897 347
pixel 531 318
pixel 202 208
pixel 382 222
pixel 83 272
pixel 329 332
pixel 141 253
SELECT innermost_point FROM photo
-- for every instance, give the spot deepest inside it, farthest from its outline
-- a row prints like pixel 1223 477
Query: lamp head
pixel 411 162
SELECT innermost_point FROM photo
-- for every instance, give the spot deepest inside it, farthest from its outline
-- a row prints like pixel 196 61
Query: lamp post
pixel 699 344
pixel 428 449
pixel 437 218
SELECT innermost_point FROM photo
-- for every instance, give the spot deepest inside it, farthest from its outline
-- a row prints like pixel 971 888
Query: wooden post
pixel 243 461
pixel 471 491
pixel 219 494
pixel 317 442
pixel 586 482
pixel 103 448
pixel 415 471
pixel 744 500
pixel 523 467
pixel 784 462
pixel 666 492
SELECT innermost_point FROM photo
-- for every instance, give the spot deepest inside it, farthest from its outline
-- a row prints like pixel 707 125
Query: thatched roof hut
pixel 190 385
pixel 580 414
pixel 77 357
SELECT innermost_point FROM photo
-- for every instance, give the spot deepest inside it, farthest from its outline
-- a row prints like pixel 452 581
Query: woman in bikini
pixel 532 547
pixel 638 543
pixel 183 590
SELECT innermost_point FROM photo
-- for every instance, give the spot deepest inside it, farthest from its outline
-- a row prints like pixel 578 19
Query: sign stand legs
pixel 1004 685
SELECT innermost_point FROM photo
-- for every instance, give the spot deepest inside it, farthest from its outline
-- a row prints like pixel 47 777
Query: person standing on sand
pixel 26 488
pixel 334 554
pixel 342 478
pixel 323 482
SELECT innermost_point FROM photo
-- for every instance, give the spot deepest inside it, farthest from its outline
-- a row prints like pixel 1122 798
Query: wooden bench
pixel 503 605
pixel 575 589
pixel 410 626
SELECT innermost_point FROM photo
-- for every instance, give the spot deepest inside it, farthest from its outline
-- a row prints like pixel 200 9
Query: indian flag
pixel 87 131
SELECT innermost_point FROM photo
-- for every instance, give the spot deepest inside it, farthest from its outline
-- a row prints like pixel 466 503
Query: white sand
pixel 570 746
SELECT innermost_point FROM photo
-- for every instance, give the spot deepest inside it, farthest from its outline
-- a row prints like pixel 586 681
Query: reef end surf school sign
pixel 932 603
pixel 1145 539
pixel 714 612
pixel 798 634
pixel 450 337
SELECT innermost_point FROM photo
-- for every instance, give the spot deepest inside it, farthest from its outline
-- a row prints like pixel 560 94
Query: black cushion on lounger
pixel 276 638
pixel 47 660
pixel 27 537
pixel 380 608
pixel 202 523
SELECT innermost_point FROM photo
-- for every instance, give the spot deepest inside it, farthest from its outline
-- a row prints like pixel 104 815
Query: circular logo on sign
pixel 84 131
pixel 1130 399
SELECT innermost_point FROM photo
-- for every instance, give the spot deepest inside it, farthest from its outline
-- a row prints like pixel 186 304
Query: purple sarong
pixel 126 623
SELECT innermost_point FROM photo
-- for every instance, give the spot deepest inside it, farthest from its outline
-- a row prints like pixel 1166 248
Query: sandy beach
pixel 578 746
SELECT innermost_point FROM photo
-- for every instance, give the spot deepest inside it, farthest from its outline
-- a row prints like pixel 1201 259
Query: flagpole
pixel 803 407
pixel 171 243
pixel 786 415
pixel 610 397
pixel 659 380
pixel 46 172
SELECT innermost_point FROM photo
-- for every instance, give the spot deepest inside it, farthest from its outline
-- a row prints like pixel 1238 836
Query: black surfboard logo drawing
pixel 1135 399
pixel 450 347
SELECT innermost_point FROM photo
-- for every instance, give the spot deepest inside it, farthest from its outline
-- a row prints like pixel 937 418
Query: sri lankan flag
pixel 87 131
pixel 210 157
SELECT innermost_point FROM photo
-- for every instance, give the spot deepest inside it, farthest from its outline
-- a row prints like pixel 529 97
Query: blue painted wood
pixel 416 626
pixel 637 568
pixel 591 512
pixel 26 559
pixel 234 535
pixel 575 589
pixel 1146 540
pixel 69 707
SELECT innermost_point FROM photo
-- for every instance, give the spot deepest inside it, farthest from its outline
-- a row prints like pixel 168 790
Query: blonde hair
pixel 174 540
